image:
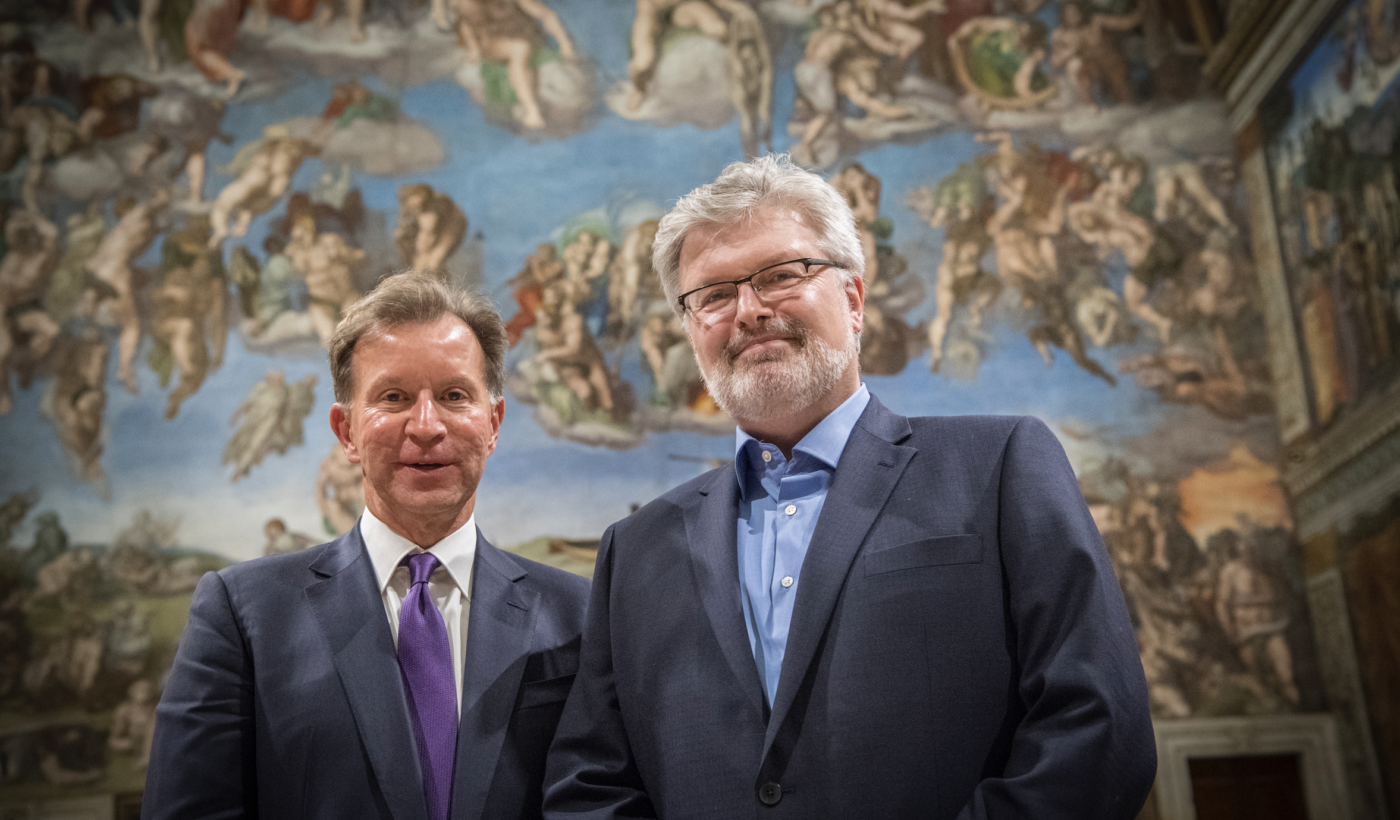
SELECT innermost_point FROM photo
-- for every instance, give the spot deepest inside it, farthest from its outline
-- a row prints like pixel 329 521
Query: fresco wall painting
pixel 1369 555
pixel 192 192
pixel 1330 131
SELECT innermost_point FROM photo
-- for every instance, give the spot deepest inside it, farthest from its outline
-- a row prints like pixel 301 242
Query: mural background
pixel 1331 131
pixel 1370 554
pixel 192 189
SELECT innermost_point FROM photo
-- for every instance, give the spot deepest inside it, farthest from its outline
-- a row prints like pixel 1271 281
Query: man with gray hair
pixel 867 615
pixel 407 669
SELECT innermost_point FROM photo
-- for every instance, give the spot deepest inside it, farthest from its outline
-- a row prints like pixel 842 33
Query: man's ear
pixel 855 297
pixel 498 414
pixel 340 425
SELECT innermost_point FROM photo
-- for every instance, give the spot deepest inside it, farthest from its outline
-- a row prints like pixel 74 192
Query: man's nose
pixel 749 309
pixel 424 420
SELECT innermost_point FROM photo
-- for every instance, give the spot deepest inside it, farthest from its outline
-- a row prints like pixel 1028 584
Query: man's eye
pixel 455 395
pixel 714 296
pixel 393 396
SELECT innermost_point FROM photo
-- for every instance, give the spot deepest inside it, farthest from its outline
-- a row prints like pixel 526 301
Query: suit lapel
pixel 498 644
pixel 713 536
pixel 345 596
pixel 870 466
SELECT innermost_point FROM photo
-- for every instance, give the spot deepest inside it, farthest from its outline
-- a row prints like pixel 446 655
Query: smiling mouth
pixel 757 341
pixel 762 348
pixel 425 467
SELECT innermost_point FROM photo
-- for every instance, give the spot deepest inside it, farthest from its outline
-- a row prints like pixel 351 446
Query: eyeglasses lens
pixel 720 298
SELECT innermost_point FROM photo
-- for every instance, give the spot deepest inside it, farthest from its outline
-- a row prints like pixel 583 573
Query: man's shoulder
pixel 668 508
pixel 286 567
pixel 976 426
pixel 980 437
pixel 551 581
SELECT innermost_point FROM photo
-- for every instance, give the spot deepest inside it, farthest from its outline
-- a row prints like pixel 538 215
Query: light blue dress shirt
pixel 779 502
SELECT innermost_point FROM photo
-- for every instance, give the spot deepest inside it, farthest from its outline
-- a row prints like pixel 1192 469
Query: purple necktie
pixel 425 659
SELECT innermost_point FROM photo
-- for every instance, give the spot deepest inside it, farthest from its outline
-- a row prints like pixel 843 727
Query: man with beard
pixel 868 615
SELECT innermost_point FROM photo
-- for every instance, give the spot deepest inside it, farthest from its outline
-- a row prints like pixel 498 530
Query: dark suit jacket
pixel 286 700
pixel 959 648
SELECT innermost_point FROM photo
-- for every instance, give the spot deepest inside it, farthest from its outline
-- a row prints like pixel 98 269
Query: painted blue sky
pixel 517 192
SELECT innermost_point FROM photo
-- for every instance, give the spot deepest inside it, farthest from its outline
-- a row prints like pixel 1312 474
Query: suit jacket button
pixel 769 794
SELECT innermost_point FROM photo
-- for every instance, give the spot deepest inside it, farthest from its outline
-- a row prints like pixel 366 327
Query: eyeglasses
pixel 718 299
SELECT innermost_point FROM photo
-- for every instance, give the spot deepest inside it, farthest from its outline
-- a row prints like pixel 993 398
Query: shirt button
pixel 791 509
pixel 787 581
pixel 767 456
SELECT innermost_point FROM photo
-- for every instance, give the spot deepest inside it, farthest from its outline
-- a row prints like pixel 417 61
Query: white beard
pixel 778 382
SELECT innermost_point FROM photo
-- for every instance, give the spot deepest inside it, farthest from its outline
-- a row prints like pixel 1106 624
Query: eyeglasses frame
pixel 807 263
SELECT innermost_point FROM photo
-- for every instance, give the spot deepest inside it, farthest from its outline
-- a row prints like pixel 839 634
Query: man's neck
pixel 424 532
pixel 785 430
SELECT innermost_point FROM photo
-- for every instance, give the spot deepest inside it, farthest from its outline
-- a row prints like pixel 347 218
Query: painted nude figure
pixel 997 59
pixel 79 395
pixel 962 206
pixel 747 57
pixel 647 28
pixel 38 132
pixel 24 278
pixel 327 262
pixel 1024 243
pixel 340 491
pixel 211 31
pixel 508 31
pixel 1254 614
pixel 631 270
pixel 862 191
pixel 431 226
pixel 893 20
pixel 1084 49
pixel 1179 185
pixel 1105 221
pixel 841 36
pixel 585 259
pixel 265 171
pixel 112 275
pixel 189 316
pixel 566 346
pixel 750 64
pixel 134 723
pixel 666 350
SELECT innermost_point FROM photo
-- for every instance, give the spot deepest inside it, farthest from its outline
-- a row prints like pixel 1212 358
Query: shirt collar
pixel 387 549
pixel 824 443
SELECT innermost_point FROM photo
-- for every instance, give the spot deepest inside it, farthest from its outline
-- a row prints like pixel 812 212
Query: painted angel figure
pixel 272 416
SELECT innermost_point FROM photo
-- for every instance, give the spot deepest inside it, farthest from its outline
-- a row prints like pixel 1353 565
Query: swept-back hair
pixel 416 297
pixel 745 188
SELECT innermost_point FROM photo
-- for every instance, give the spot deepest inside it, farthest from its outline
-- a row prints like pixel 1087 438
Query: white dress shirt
pixel 450 585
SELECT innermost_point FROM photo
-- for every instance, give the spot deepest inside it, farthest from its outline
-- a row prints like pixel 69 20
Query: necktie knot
pixel 420 567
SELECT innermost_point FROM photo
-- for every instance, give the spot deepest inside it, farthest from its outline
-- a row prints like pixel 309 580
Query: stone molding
pixel 1312 737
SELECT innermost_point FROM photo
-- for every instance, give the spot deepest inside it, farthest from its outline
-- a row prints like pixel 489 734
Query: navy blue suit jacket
pixel 286 701
pixel 959 649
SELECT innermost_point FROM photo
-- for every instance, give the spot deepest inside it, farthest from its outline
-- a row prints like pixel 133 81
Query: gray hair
pixel 416 297
pixel 742 190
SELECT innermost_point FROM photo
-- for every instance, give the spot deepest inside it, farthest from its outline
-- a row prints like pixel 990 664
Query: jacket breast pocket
pixel 544 692
pixel 939 551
